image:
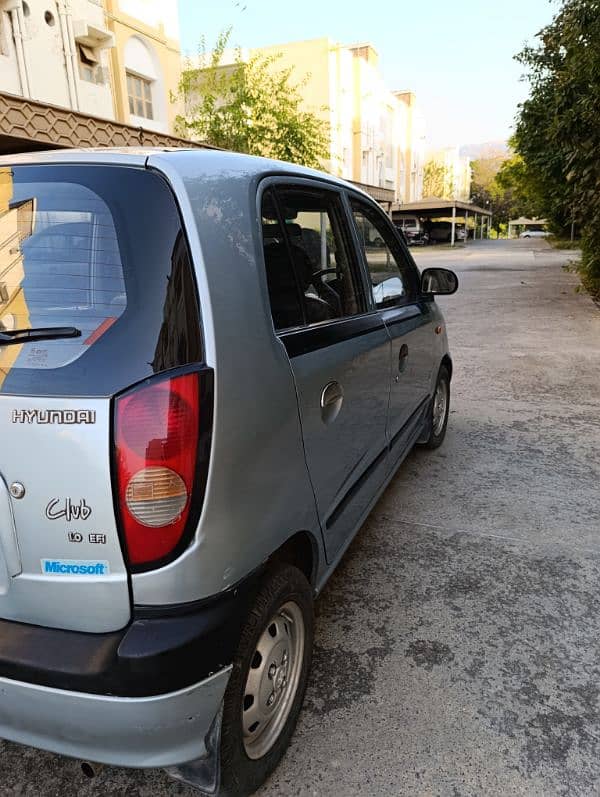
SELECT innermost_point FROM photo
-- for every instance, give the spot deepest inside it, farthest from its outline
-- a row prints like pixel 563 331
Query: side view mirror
pixel 439 281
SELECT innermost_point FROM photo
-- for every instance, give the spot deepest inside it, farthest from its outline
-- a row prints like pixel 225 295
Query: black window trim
pixel 411 298
pixel 300 340
pixel 303 340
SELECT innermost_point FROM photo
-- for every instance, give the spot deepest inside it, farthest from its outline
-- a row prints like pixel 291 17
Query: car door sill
pixel 355 488
pixel 408 424
pixel 403 453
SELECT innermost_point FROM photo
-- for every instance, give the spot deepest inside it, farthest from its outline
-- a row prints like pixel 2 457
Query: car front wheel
pixel 438 411
pixel 266 689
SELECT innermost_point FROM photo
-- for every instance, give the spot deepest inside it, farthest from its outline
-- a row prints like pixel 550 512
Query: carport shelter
pixel 524 222
pixel 436 209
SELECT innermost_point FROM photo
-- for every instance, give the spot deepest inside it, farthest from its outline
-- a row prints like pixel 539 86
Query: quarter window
pixel 284 289
pixel 307 243
pixel 392 278
pixel 139 92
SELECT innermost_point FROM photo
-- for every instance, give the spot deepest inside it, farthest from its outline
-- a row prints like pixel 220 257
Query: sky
pixel 457 55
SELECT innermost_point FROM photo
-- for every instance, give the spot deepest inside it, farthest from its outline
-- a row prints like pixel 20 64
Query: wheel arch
pixel 302 551
pixel 447 361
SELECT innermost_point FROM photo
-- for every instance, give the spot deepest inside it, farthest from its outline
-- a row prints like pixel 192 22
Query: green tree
pixel 437 180
pixel 493 187
pixel 557 133
pixel 485 192
pixel 250 106
pixel 515 179
pixel 485 168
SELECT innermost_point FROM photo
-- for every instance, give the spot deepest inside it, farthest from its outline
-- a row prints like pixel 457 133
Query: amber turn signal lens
pixel 156 496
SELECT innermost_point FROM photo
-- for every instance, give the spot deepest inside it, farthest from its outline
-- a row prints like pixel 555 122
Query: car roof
pixel 178 159
pixel 123 155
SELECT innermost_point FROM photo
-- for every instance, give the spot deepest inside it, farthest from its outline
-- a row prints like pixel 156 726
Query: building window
pixel 89 65
pixel 139 91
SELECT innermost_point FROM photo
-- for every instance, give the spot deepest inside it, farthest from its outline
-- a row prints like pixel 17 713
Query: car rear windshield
pixel 99 250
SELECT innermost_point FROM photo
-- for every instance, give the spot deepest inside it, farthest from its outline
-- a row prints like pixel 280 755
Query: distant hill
pixel 488 149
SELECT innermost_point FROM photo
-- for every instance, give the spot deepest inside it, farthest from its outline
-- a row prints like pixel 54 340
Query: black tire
pixel 434 438
pixel 240 774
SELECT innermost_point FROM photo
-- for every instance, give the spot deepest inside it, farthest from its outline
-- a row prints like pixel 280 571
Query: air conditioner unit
pixel 91 35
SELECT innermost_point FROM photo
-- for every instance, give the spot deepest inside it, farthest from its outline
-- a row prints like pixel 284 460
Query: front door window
pixel 393 280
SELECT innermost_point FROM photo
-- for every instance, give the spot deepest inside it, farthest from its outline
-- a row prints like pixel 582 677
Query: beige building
pixel 377 137
pixel 114 60
pixel 388 131
pixel 145 61
pixel 411 178
pixel 45 49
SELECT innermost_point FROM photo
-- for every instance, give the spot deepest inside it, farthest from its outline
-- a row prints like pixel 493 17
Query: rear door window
pixel 100 249
pixel 311 274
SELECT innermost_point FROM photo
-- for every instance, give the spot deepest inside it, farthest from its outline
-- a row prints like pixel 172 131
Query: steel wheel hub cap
pixel 440 406
pixel 273 680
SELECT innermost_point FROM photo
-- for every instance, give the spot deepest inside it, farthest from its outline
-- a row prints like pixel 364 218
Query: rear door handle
pixel 332 397
pixel 402 357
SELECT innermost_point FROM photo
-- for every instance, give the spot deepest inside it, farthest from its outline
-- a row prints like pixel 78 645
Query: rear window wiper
pixel 8 336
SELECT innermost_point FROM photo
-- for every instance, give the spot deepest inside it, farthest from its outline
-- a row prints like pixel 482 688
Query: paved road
pixel 458 644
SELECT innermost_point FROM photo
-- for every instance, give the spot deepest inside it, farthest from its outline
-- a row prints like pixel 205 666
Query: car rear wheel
pixel 438 411
pixel 266 689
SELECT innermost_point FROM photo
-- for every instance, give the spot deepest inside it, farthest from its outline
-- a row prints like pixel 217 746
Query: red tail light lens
pixel 156 435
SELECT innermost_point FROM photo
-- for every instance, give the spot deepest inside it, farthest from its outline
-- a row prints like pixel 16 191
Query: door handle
pixel 332 397
pixel 402 357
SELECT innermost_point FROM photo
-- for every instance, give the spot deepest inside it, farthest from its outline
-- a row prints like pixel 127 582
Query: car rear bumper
pixel 143 696
pixel 163 650
pixel 154 731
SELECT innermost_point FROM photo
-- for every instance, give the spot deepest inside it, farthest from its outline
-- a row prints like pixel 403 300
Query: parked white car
pixel 534 234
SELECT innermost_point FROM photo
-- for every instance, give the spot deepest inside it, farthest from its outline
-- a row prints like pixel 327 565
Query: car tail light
pixel 158 431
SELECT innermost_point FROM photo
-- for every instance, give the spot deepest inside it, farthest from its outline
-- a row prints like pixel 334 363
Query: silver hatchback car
pixel 211 365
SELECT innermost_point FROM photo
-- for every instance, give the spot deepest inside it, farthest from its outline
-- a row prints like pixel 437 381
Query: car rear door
pixel 338 348
pixel 395 285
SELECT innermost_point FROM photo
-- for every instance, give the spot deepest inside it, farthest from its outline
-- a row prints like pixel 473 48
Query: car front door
pixel 395 284
pixel 338 348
